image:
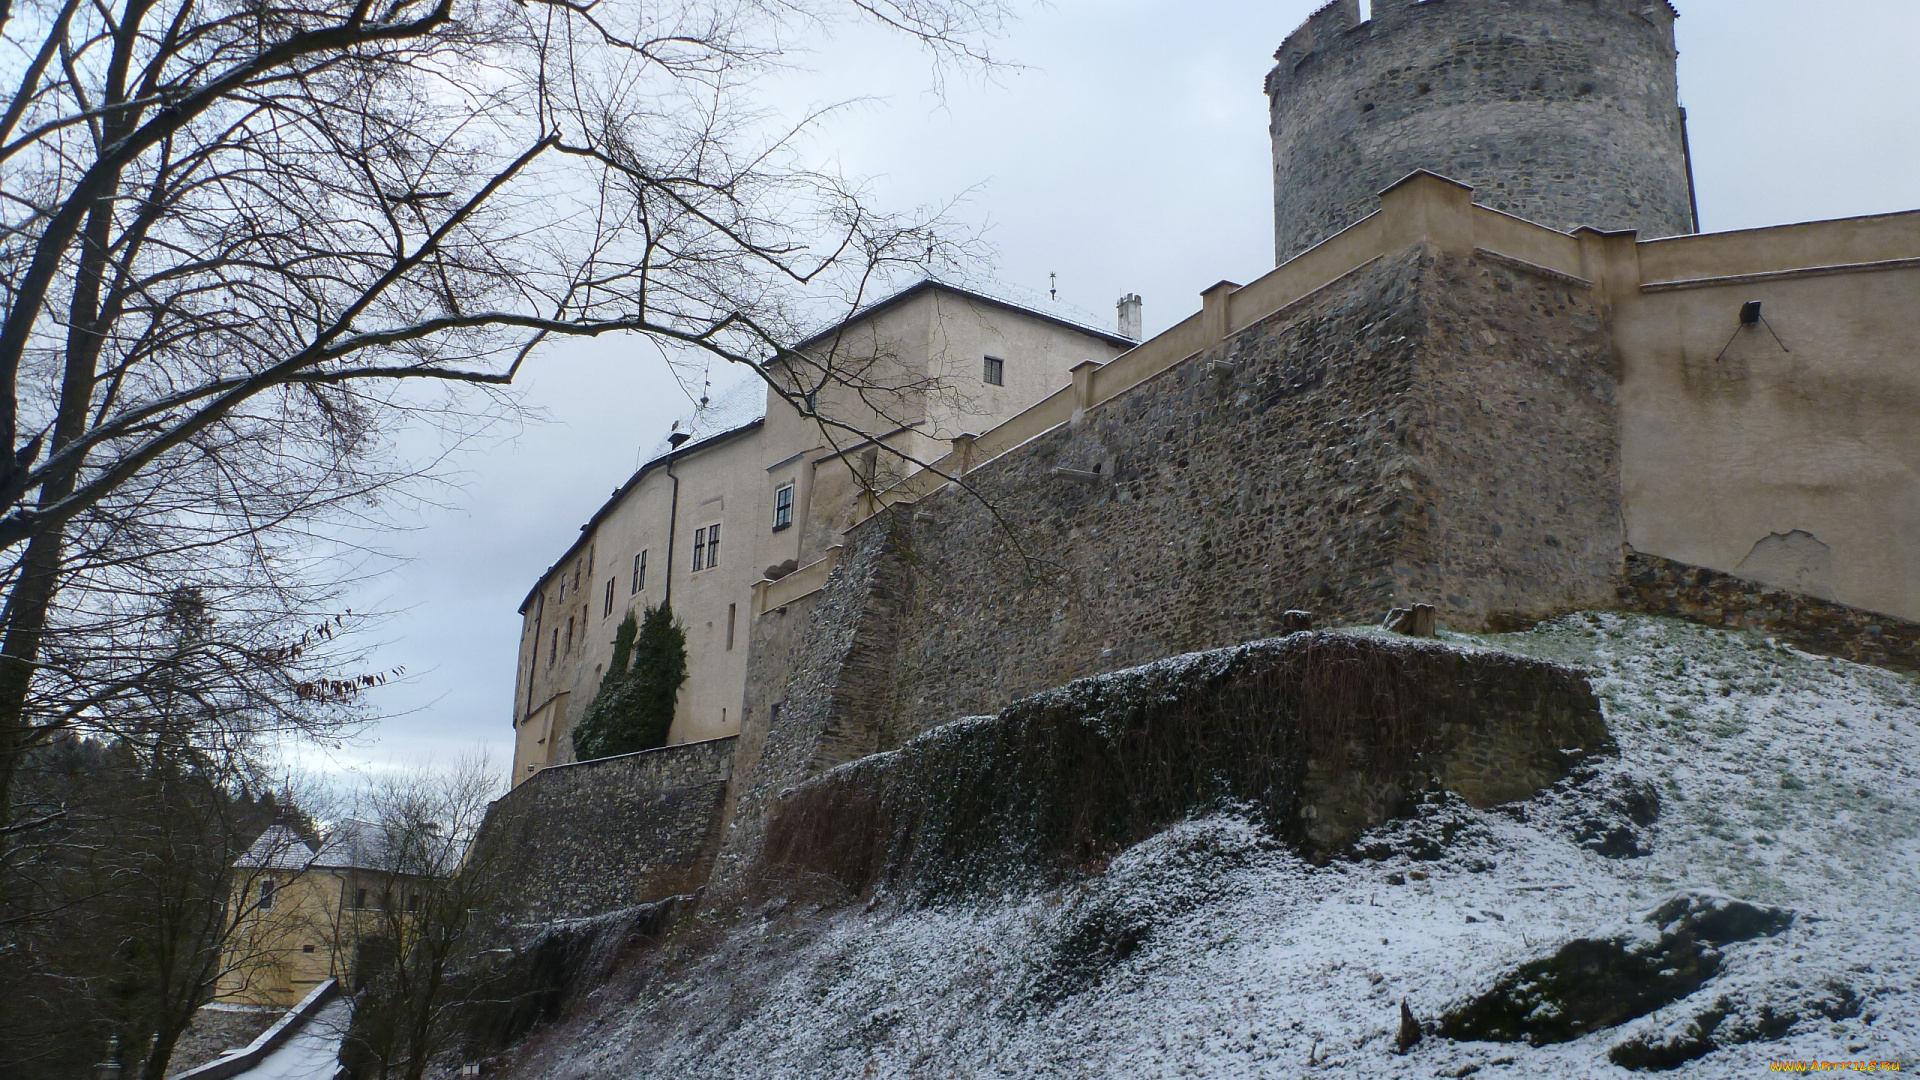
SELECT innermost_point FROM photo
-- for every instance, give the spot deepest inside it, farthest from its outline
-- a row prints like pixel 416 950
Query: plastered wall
pixel 1786 451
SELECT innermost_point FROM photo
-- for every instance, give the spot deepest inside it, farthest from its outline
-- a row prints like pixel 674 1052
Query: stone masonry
pixel 595 837
pixel 1561 112
pixel 1339 456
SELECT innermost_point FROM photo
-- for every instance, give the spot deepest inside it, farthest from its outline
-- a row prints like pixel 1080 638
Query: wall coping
pixel 235 1062
pixel 615 757
pixel 770 593
pixel 1427 208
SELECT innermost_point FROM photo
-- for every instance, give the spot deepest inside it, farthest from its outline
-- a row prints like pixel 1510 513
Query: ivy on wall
pixel 633 709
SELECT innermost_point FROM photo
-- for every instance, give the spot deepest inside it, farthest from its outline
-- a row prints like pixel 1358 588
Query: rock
pixel 1757 1015
pixel 1595 983
pixel 1608 812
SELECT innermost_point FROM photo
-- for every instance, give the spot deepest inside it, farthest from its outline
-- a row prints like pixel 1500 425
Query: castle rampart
pixel 1563 112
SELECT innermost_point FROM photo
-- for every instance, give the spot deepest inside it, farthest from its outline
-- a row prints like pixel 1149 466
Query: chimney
pixel 1129 306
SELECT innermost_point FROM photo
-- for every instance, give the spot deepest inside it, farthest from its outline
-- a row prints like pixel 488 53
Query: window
pixel 569 635
pixel 306 948
pixel 266 895
pixel 782 507
pixel 608 609
pixel 995 373
pixel 553 656
pixel 563 589
pixel 706 548
pixel 732 609
pixel 639 573
pixel 360 898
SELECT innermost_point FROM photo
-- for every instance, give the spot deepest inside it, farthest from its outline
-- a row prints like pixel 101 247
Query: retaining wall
pixel 599 836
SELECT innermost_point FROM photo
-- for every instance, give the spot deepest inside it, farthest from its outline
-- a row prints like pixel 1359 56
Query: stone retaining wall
pixel 1660 586
pixel 598 836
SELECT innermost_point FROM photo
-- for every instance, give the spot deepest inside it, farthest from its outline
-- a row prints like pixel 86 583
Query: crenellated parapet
pixel 1564 112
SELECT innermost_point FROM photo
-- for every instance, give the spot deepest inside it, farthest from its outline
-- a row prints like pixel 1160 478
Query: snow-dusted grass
pixel 1210 951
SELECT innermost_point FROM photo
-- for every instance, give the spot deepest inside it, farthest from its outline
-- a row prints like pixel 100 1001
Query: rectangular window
pixel 732 610
pixel 608 607
pixel 360 898
pixel 563 589
pixel 306 948
pixel 782 507
pixel 639 572
pixel 706 548
pixel 995 373
pixel 266 895
pixel 553 656
pixel 569 635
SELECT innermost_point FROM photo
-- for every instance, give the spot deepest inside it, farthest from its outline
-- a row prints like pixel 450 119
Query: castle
pixel 1497 371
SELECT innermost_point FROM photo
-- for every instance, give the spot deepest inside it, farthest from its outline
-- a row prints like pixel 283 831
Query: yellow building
pixel 296 913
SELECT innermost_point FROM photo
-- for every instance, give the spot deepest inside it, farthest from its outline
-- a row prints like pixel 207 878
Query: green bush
pixel 634 706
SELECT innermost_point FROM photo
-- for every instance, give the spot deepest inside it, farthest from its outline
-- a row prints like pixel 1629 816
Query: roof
pixel 279 848
pixel 732 409
pixel 351 845
pixel 621 492
pixel 925 285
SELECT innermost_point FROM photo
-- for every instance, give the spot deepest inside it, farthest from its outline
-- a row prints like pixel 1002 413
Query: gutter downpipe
pixel 677 439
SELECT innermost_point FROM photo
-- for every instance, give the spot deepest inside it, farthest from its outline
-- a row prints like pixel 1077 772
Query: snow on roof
pixel 279 848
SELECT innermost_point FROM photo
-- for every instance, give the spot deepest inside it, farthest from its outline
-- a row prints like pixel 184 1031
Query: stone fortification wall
pixel 598 836
pixel 1344 455
pixel 1563 112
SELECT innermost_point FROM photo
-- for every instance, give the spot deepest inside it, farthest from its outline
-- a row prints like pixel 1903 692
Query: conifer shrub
pixel 634 706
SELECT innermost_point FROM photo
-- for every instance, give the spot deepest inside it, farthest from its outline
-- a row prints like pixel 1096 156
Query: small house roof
pixel 279 848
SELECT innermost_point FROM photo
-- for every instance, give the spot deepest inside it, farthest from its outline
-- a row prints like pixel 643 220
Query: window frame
pixel 706 547
pixel 993 371
pixel 639 573
pixel 783 506
pixel 607 610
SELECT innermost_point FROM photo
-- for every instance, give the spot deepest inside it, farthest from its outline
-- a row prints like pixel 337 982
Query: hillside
pixel 1778 778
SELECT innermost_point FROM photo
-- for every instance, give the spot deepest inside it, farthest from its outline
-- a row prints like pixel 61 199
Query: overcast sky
pixel 1128 154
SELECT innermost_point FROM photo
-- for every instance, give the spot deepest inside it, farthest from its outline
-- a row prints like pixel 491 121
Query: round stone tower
pixel 1563 112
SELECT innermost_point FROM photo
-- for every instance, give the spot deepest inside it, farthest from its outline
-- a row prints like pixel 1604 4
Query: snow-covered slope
pixel 1210 951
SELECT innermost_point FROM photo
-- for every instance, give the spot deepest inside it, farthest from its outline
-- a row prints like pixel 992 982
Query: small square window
pixel 306 948
pixel 782 507
pixel 995 372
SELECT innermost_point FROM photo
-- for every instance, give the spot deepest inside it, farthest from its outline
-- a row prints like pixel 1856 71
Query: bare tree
pixel 240 241
pixel 414 944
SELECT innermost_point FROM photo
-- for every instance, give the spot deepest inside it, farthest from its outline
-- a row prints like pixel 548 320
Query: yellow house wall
pixel 267 963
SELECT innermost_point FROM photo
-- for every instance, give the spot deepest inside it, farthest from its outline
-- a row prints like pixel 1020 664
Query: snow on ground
pixel 1209 951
